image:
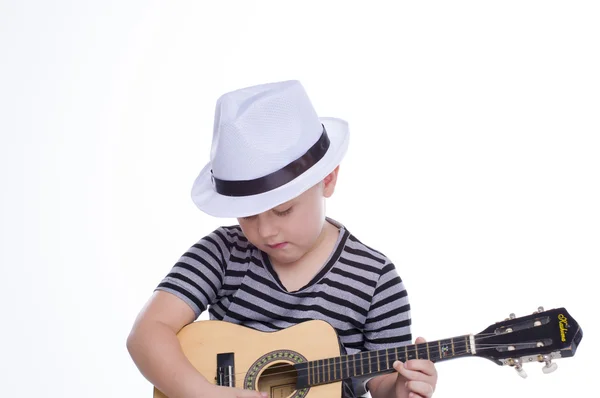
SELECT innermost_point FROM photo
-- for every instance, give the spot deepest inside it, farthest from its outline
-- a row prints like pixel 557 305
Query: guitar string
pixel 359 361
pixel 480 347
pixel 316 368
pixel 433 346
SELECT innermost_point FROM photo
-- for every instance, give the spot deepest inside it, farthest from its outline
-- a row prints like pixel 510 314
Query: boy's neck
pixel 298 274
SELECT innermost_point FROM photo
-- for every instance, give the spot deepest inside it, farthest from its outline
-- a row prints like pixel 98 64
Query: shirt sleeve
pixel 388 320
pixel 198 275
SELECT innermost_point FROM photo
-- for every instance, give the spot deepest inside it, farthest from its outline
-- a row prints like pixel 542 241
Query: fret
pixel 392 358
pixel 447 348
pixel 354 363
pixel 374 361
pixel 411 355
pixel 369 360
pixel 396 357
pixel 461 346
pixel 405 353
pixel 334 369
pixel 432 351
pixel 422 351
pixel 383 360
pixel 332 373
pixel 428 356
pixel 364 363
pixel 387 359
pixel 416 351
pixel 347 367
pixel 377 360
pixel 330 369
pixel 320 371
pixel 308 368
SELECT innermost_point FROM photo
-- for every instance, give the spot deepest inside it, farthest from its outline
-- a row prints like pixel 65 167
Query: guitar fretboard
pixel 366 363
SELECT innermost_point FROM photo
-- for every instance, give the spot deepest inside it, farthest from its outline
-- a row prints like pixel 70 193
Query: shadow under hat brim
pixel 209 201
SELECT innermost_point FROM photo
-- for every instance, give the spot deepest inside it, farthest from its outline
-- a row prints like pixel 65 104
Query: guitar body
pixel 262 361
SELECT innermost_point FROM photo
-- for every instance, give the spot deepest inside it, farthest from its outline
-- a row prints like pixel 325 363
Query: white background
pixel 473 165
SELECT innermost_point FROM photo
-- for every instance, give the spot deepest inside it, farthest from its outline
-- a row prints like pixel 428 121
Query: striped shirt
pixel 357 291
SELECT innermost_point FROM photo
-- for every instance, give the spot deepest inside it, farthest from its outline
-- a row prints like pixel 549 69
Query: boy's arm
pixel 155 349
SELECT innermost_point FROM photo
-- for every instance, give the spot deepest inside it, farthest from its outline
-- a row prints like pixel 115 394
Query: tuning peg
pixel 550 366
pixel 519 368
pixel 511 316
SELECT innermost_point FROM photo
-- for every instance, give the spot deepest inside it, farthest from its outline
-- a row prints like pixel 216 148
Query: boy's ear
pixel 329 182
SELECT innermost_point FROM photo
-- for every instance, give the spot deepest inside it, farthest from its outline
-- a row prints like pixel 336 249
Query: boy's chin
pixel 282 257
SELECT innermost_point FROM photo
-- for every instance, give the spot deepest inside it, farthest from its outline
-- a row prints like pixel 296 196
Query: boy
pixel 273 163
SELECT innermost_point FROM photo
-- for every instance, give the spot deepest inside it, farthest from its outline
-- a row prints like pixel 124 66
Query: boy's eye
pixel 283 213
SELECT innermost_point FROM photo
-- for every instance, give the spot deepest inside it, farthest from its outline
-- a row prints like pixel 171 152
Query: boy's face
pixel 290 230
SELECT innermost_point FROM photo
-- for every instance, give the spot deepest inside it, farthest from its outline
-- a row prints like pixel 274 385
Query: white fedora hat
pixel 269 146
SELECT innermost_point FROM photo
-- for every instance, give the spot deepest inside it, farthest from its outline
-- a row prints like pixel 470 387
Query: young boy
pixel 273 163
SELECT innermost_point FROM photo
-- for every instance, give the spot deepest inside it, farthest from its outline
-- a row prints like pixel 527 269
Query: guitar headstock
pixel 541 337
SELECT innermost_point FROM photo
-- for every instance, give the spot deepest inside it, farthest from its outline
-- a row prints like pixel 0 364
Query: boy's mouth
pixel 278 245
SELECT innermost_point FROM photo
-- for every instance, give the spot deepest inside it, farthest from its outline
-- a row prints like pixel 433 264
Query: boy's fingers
pixel 421 365
pixel 418 371
pixel 421 388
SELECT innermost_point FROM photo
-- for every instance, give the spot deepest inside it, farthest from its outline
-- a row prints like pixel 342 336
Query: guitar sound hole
pixel 279 379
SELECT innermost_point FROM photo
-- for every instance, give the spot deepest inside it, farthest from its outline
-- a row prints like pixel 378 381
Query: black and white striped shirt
pixel 358 290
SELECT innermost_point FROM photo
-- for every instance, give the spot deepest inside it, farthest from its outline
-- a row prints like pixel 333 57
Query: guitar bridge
pixel 225 369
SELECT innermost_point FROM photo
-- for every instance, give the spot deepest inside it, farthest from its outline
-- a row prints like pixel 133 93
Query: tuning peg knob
pixel 521 372
pixel 519 368
pixel 549 367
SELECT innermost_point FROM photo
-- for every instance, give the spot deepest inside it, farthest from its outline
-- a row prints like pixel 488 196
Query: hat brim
pixel 209 201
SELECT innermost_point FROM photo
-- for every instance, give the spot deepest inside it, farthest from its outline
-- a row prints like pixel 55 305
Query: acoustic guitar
pixel 304 360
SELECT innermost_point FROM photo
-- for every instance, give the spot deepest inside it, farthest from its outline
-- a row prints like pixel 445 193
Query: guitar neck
pixel 370 363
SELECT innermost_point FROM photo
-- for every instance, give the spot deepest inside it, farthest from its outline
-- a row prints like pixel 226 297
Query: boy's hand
pixel 416 378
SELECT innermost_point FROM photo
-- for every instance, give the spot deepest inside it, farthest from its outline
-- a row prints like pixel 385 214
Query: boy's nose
pixel 266 228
